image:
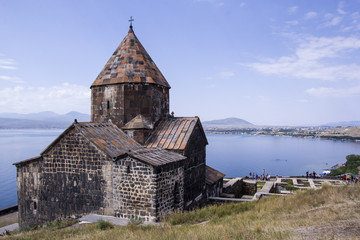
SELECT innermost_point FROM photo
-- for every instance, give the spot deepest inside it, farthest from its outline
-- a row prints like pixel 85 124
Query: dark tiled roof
pixel 106 136
pixel 156 156
pixel 173 133
pixel 115 143
pixel 130 63
pixel 139 122
pixel 212 175
pixel 28 160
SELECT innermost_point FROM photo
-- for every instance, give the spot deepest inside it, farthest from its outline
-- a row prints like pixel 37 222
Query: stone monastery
pixel 133 160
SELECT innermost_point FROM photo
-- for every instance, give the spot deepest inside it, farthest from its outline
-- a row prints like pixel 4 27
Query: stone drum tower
pixel 129 84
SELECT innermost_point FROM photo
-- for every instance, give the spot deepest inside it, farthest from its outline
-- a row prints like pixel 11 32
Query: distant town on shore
pixel 337 130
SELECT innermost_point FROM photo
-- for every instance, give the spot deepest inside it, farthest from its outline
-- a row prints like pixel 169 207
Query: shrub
pixel 58 224
pixel 103 225
pixel 352 162
pixel 290 187
pixel 135 221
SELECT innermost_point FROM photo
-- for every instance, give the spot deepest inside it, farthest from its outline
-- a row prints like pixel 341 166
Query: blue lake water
pixel 15 146
pixel 237 155
pixel 234 155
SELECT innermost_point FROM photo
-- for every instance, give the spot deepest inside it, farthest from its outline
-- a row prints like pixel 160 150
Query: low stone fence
pixel 239 187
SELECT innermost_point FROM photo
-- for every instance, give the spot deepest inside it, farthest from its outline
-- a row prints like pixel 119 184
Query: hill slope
pixel 343 124
pixel 328 213
pixel 227 123
pixel 40 120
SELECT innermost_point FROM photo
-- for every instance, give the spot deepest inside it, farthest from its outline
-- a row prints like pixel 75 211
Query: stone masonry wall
pixel 194 167
pixel 239 187
pixel 134 186
pixel 142 192
pixel 28 187
pixel 215 189
pixel 170 189
pixel 71 182
pixel 122 102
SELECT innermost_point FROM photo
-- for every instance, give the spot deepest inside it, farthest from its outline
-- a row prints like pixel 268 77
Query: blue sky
pixel 274 62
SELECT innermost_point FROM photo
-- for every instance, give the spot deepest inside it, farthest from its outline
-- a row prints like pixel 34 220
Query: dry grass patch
pixel 328 213
pixel 8 219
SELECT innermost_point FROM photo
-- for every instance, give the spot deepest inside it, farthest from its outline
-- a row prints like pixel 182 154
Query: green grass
pixel 287 181
pixel 305 183
pixel 290 188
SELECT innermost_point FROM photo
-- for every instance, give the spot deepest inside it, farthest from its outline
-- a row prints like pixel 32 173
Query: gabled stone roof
pixel 27 161
pixel 130 63
pixel 106 136
pixel 212 175
pixel 173 133
pixel 156 156
pixel 138 122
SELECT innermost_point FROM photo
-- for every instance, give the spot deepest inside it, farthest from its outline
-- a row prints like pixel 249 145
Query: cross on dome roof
pixel 131 20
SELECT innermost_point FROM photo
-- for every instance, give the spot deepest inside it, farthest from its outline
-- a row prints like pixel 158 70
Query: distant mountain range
pixel 343 124
pixel 50 119
pixel 237 123
pixel 227 123
pixel 46 119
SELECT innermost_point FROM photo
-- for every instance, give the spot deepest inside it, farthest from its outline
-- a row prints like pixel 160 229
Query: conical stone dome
pixel 130 63
pixel 130 84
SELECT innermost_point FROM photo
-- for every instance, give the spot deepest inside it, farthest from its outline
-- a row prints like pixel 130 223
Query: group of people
pixel 349 178
pixel 262 177
pixel 311 175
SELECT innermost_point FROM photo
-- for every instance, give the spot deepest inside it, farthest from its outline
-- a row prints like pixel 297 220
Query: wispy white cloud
pixel 11 79
pixel 242 4
pixel 7 63
pixel 310 15
pixel 61 98
pixel 324 92
pixel 348 28
pixel 355 17
pixel 294 22
pixel 226 74
pixel 333 21
pixel 340 8
pixel 293 9
pixel 217 3
pixel 315 58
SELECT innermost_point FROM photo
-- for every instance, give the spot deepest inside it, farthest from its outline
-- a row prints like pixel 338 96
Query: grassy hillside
pixel 328 213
